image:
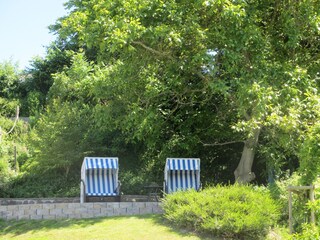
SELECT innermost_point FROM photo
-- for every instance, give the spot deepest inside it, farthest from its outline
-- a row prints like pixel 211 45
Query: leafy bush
pixel 309 232
pixel 42 185
pixel 237 212
pixel 310 155
pixel 131 183
pixel 300 201
pixel 5 174
pixel 279 192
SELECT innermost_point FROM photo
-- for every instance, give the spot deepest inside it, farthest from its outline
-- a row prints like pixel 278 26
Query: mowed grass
pixel 127 228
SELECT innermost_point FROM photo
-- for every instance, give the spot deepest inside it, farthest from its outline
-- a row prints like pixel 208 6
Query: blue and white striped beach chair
pixel 181 174
pixel 99 177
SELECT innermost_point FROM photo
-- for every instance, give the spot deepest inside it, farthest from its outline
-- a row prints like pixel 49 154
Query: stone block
pixel 36 206
pixel 43 211
pixel 99 205
pixel 61 205
pixel 139 204
pixel 88 205
pixel 13 208
pixel 48 206
pixel 74 205
pixel 20 212
pixel 107 212
pixel 126 204
pixel 70 211
pixel 120 211
pixel 24 207
pixel 30 212
pixel 152 204
pixel 98 215
pixel 87 215
pixel 80 210
pixel 74 216
pixel 145 210
pixel 5 214
pixel 157 210
pixel 113 205
pixel 55 211
pixel 61 216
pixel 95 211
pixel 3 211
pixel 133 211
pixel 49 217
pixel 36 217
pixel 23 217
pixel 11 217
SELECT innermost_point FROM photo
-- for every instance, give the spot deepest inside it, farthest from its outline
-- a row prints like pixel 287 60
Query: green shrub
pixel 309 232
pixel 133 182
pixel 237 212
pixel 42 185
pixel 300 201
pixel 279 192
pixel 310 155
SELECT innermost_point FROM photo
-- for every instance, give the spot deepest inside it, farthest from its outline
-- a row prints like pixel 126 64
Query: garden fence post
pixel 290 212
pixel 313 218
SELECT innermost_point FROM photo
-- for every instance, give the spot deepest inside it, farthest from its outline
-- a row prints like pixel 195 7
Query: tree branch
pixel 164 54
pixel 15 121
pixel 220 144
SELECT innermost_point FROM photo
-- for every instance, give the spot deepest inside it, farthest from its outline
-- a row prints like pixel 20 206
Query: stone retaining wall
pixel 78 210
pixel 20 201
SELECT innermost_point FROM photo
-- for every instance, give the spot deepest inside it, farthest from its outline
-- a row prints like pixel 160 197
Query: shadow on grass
pixel 160 220
pixel 19 227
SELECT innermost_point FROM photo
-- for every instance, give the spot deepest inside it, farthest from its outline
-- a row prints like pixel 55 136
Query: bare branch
pixel 220 144
pixel 150 49
pixel 15 121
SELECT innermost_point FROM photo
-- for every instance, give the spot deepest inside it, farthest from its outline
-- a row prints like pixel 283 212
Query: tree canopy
pixel 185 73
pixel 235 83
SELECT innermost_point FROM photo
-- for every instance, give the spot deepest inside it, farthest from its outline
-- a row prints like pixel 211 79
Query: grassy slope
pixel 119 228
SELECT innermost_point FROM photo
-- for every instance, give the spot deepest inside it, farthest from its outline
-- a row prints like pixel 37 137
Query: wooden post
pixel 290 212
pixel 311 194
pixel 291 189
pixel 15 158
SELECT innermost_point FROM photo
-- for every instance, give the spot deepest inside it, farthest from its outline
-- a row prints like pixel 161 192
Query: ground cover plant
pixel 115 228
pixel 235 212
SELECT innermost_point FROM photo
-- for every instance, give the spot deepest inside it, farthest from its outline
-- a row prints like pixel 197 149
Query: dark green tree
pixel 182 72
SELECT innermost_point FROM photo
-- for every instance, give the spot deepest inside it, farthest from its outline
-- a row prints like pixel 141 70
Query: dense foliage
pixel 235 83
pixel 235 212
pixel 13 133
pixel 183 75
pixel 301 206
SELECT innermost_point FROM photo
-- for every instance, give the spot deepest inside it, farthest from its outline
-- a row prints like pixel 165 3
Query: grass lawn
pixel 127 228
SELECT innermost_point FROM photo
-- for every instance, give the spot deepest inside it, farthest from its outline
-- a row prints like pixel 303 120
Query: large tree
pixel 187 73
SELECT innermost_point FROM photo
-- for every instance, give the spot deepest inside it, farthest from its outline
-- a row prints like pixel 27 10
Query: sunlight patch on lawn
pixel 115 228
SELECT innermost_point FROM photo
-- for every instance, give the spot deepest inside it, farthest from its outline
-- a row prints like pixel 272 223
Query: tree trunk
pixel 243 173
